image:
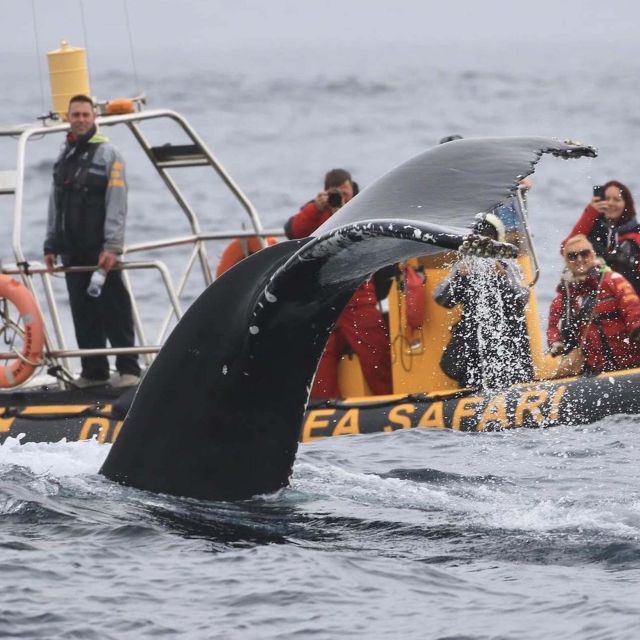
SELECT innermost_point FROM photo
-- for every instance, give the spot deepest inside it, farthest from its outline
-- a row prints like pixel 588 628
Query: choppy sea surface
pixel 518 535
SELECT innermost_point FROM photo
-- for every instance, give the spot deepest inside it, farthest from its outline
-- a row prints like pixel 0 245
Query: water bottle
pixel 97 280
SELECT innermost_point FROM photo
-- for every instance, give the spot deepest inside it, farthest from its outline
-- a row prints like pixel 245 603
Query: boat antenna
pixel 35 33
pixel 84 35
pixel 133 58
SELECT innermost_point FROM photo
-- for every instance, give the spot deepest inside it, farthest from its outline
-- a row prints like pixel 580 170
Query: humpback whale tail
pixel 219 412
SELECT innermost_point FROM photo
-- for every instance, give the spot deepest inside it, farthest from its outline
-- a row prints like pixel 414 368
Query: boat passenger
pixel 85 227
pixel 609 221
pixel 361 326
pixel 486 349
pixel 239 249
pixel 595 315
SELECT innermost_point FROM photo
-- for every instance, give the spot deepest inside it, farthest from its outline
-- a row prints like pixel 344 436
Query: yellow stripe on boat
pixel 54 409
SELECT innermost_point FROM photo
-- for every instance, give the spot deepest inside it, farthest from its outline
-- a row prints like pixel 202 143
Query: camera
pixel 335 199
pixel 598 192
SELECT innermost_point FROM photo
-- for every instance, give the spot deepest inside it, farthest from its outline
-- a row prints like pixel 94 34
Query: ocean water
pixel 516 535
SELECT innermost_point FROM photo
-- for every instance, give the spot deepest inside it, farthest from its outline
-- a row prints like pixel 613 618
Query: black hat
pixel 488 224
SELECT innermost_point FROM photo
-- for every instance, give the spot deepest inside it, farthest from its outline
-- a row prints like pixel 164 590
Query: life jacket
pixel 80 187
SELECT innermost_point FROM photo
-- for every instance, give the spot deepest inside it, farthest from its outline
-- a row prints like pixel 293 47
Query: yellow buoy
pixel 68 75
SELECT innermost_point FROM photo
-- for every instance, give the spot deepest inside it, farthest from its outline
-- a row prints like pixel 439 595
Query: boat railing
pixel 56 349
pixel 164 159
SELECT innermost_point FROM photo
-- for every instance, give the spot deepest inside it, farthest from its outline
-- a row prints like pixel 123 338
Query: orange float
pixel 415 297
pixel 238 250
pixel 120 106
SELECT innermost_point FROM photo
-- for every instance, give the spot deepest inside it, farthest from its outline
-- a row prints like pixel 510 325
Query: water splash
pixel 497 352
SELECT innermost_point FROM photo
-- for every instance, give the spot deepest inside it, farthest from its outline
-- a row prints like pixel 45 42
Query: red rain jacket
pixel 360 326
pixel 304 223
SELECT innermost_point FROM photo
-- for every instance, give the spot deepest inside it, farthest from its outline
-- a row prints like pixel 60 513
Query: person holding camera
pixel 609 221
pixel 360 327
pixel 339 188
pixel 594 319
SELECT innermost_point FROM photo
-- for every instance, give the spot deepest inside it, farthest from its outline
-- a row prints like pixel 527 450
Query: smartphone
pixel 598 191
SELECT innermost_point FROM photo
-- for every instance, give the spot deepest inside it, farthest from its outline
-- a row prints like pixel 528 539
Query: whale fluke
pixel 219 412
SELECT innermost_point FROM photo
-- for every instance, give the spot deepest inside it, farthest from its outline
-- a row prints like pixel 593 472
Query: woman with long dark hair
pixel 610 223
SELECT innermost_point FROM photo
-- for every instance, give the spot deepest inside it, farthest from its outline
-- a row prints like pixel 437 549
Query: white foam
pixel 484 503
pixel 61 459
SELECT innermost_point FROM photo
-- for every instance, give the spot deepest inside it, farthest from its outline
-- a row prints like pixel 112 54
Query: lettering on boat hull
pixel 539 407
pixel 578 401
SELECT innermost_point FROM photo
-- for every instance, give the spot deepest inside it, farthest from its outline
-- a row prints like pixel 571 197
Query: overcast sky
pixel 284 37
pixel 193 23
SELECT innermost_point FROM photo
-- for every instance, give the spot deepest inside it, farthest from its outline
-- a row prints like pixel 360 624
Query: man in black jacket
pixel 85 226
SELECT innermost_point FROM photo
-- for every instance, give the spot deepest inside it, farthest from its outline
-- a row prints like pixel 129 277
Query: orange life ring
pixel 19 370
pixel 238 250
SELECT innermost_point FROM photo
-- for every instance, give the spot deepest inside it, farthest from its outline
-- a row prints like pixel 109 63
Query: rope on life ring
pixel 20 369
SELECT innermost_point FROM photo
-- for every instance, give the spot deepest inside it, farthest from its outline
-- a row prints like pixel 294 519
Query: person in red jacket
pixel 360 327
pixel 610 223
pixel 596 309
